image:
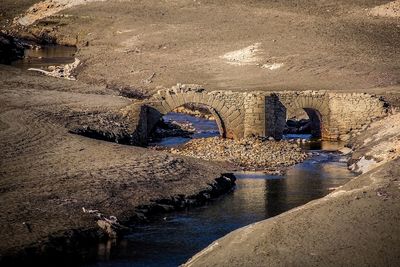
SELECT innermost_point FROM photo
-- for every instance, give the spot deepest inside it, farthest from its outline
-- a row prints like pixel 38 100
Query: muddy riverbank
pixel 172 238
pixel 48 175
pixel 354 225
pixel 54 184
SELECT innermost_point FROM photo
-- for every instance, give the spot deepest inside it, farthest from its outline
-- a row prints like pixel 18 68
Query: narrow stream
pixel 175 237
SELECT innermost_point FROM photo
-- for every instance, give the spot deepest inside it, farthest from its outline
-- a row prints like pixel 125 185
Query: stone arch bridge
pixel 242 114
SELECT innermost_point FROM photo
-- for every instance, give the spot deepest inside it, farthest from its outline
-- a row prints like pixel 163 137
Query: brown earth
pixel 47 175
pixel 321 44
pixel 356 225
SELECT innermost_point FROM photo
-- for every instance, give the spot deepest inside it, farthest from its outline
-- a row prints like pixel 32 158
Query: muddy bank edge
pixel 356 225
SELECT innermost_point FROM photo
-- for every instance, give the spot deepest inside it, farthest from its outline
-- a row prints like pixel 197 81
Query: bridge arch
pixel 226 117
pixel 154 116
pixel 317 109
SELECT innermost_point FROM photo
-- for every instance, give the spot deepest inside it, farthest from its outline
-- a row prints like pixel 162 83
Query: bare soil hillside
pixel 241 45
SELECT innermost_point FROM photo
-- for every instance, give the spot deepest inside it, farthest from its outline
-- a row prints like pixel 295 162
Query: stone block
pixel 196 98
pixel 213 100
pixel 203 98
pixel 189 97
pixel 170 101
pixel 259 109
pixel 237 122
pixel 159 106
pixel 224 109
pixel 179 100
pixel 220 105
pixel 234 115
pixel 231 109
pixel 166 106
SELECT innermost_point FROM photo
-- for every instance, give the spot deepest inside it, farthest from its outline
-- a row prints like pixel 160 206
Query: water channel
pixel 51 55
pixel 174 237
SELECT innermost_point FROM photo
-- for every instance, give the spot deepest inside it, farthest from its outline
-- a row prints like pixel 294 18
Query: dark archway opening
pixel 186 122
pixel 314 122
pixel 304 123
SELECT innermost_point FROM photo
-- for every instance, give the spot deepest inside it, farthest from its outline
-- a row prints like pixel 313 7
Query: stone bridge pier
pixel 241 114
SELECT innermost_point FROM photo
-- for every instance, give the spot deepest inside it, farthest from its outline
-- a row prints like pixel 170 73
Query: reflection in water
pixel 46 56
pixel 177 236
pixel 297 136
pixel 315 144
pixel 275 197
pixel 323 145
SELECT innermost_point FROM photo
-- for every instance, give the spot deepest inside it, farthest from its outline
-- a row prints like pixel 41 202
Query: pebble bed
pixel 248 154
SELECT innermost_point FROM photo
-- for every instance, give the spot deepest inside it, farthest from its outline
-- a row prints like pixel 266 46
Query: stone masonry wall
pixel 227 106
pixel 316 101
pixel 275 117
pixel 254 118
pixel 260 113
pixel 353 111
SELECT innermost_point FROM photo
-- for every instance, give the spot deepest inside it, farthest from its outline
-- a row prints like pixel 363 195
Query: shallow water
pixel 175 237
pixel 46 56
pixel 204 128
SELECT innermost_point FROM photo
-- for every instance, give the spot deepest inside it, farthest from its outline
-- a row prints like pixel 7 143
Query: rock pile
pixel 172 129
pixel 248 154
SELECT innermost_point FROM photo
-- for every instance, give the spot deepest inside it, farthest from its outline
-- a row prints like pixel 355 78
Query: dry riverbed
pixel 226 44
pixel 355 225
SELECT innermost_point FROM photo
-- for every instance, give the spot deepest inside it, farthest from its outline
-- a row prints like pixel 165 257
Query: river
pixel 173 238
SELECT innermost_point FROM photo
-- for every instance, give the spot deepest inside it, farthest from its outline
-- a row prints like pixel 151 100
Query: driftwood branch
pixel 150 78
pixel 62 71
